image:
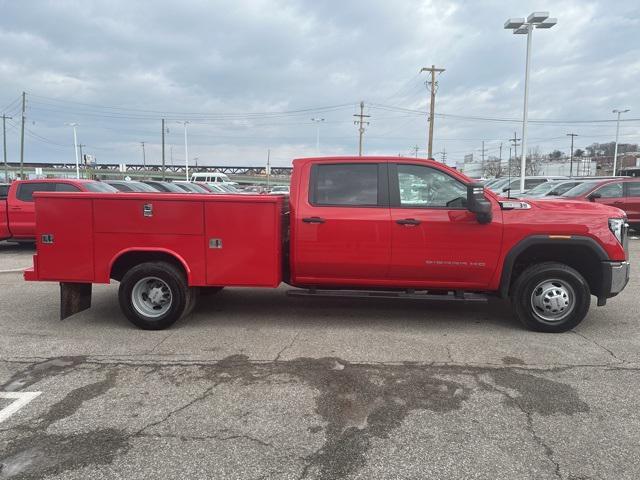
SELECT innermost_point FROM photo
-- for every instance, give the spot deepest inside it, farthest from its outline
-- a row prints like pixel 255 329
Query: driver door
pixel 435 240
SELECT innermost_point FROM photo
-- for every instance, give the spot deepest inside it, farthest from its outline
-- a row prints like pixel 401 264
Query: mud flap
pixel 74 298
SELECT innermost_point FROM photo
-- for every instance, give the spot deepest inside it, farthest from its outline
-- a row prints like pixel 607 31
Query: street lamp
pixel 520 26
pixel 317 121
pixel 75 147
pixel 615 151
pixel 186 150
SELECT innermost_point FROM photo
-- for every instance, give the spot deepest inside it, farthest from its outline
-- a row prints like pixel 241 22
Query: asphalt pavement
pixel 259 385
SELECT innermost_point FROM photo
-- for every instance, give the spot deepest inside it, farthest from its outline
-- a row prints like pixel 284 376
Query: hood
pixel 577 206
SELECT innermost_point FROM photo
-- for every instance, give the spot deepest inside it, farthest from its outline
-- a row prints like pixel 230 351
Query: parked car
pixel 130 186
pixel 17 211
pixel 212 177
pixel 511 188
pixel 280 190
pixel 255 189
pixel 4 190
pixel 164 187
pixel 190 187
pixel 621 192
pixel 400 227
pixel 553 188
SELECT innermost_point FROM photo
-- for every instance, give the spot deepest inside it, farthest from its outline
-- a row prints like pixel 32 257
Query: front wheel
pixel 154 295
pixel 551 297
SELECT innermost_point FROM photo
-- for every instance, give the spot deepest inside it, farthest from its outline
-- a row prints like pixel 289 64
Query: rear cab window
pixel 346 185
pixel 633 189
pixel 26 190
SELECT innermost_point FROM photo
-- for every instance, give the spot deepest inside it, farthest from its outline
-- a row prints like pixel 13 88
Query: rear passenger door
pixel 632 202
pixel 342 229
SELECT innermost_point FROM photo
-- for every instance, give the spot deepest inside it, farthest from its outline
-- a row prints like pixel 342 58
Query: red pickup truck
pixel 17 210
pixel 379 226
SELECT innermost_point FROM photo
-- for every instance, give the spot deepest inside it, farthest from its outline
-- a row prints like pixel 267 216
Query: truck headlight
pixel 617 227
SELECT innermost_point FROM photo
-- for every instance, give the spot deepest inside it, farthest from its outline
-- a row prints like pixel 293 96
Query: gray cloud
pixel 120 58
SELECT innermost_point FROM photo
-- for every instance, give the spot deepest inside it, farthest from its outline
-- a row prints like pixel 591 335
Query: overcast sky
pixel 250 75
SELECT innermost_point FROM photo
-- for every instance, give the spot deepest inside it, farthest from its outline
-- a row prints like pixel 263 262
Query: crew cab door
pixel 435 240
pixel 342 233
pixel 611 194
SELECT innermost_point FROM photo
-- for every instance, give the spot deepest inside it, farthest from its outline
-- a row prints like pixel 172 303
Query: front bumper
pixel 615 276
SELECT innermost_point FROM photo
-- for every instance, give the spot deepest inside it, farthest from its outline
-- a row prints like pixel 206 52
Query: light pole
pixel 520 26
pixel 317 121
pixel 75 147
pixel 615 151
pixel 572 135
pixel 186 151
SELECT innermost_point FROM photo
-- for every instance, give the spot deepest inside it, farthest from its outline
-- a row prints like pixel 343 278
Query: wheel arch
pixel 130 257
pixel 583 254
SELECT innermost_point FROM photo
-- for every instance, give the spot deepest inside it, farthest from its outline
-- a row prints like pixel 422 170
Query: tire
pixel 551 297
pixel 154 295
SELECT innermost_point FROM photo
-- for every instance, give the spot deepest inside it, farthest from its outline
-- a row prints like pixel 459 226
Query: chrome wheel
pixel 553 300
pixel 151 297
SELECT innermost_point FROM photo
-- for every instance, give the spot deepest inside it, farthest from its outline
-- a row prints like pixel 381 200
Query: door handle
pixel 313 220
pixel 408 221
pixel 16 208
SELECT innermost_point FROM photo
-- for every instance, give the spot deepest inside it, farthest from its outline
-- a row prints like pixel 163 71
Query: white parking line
pixel 14 270
pixel 21 399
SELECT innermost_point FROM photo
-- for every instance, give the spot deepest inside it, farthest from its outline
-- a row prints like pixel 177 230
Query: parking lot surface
pixel 258 385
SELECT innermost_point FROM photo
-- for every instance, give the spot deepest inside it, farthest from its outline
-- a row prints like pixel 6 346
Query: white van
pixel 212 177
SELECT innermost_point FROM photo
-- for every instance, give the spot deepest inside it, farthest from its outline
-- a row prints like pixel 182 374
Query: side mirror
pixel 593 196
pixel 477 203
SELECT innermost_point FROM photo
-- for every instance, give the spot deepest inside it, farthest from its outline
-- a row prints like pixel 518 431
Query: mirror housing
pixel 477 203
pixel 593 196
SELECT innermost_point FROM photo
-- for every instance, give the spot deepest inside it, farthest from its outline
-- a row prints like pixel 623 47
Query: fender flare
pixel 522 245
pixel 171 253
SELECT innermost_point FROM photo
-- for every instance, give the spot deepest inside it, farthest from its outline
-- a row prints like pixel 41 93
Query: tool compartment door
pixel 243 241
pixel 64 237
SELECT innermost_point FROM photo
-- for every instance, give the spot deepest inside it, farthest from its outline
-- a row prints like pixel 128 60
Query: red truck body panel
pixel 238 240
pixel 91 231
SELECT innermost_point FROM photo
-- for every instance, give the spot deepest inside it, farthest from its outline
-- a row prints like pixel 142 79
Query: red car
pixel 17 211
pixel 622 193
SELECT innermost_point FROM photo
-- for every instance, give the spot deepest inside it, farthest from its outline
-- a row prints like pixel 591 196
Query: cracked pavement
pixel 255 384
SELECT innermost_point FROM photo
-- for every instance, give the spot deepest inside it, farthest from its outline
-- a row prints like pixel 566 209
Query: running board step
pixel 458 296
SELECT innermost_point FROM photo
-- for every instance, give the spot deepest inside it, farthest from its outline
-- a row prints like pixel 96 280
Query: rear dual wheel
pixel 154 295
pixel 551 297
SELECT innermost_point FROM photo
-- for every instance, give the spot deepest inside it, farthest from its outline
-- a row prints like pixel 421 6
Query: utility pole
pixel 415 150
pixel 615 151
pixel 163 172
pixel 361 123
pixel 482 171
pixel 75 149
pixel 24 104
pixel 171 154
pixel 500 161
pixel 268 169
pixel 443 155
pixel 82 159
pixel 144 156
pixel 571 154
pixel 433 84
pixel 4 145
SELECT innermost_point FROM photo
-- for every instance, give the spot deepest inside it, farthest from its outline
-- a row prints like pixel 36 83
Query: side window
pixel 422 186
pixel 26 190
pixel 611 190
pixel 348 184
pixel 66 187
pixel 533 182
pixel 633 189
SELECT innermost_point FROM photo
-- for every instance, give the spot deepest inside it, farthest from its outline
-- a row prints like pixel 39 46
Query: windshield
pixel 99 187
pixel 580 190
pixel 543 188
